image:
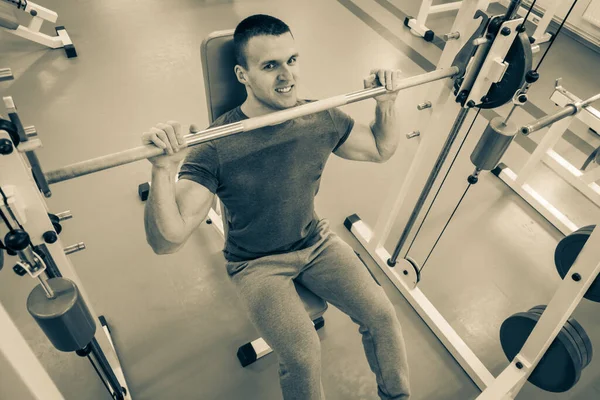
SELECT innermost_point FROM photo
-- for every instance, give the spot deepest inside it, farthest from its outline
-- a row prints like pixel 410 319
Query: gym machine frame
pixel 401 205
pixel 418 25
pixel 24 204
pixel 32 32
pixel 487 67
pixel 583 181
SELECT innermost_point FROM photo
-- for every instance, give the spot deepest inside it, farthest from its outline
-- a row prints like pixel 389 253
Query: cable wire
pixel 556 35
pixel 445 226
pixel 8 225
pixel 528 12
pixel 100 376
pixel 442 184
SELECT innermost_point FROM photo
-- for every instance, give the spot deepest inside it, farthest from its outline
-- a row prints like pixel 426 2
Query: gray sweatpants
pixel 331 270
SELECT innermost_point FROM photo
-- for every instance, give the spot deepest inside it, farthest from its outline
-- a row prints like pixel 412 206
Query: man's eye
pixel 292 61
pixel 269 66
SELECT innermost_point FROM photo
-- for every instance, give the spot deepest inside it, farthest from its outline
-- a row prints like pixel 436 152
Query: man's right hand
pixel 168 137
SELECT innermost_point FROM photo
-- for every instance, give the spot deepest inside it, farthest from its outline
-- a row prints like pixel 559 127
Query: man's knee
pixel 383 314
pixel 302 356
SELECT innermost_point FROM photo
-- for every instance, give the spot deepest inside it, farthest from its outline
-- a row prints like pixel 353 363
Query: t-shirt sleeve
pixel 201 165
pixel 343 124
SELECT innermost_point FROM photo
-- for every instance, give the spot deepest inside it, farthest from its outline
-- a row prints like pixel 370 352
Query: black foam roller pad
pixel 65 319
pixel 144 191
pixel 351 220
pixel 246 354
pixel 319 323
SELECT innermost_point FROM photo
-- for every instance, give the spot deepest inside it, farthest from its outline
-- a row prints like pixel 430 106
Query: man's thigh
pixel 267 291
pixel 337 275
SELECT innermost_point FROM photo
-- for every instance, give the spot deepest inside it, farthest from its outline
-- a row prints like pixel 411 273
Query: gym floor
pixel 175 319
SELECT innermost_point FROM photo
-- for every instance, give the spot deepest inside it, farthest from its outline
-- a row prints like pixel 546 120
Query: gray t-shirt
pixel 267 179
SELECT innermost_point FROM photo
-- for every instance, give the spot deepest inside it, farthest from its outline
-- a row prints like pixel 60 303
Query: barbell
pixel 278 117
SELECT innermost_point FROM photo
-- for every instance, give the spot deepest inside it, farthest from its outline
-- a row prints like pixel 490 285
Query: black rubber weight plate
pixel 560 367
pixel 579 335
pixel 566 253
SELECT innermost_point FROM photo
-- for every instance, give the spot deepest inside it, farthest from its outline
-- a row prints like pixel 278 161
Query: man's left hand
pixel 390 78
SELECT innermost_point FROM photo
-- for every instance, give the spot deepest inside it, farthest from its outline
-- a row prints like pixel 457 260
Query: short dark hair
pixel 255 25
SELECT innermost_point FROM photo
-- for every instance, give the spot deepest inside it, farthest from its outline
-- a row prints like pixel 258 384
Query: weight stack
pixel 65 319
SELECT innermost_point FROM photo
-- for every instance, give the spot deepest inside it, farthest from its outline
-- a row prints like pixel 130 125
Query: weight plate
pixel 568 329
pixel 578 333
pixel 566 253
pixel 587 342
pixel 573 334
pixel 559 368
pixel 520 60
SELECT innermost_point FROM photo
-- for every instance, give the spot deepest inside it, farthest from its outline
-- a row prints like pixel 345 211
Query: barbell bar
pixel 568 110
pixel 142 152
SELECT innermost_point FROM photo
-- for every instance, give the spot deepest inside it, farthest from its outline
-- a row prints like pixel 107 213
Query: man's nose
pixel 285 74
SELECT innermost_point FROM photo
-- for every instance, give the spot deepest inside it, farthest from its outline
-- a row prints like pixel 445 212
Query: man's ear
pixel 241 75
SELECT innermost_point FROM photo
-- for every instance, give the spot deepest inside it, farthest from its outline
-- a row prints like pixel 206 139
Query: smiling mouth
pixel 285 89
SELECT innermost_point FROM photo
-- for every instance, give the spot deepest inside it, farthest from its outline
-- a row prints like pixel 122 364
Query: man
pixel 267 180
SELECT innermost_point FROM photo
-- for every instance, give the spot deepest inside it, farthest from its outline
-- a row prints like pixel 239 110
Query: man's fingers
pixel 370 81
pixel 194 128
pixel 389 82
pixel 162 136
pixel 397 78
pixel 171 136
pixel 151 138
pixel 381 77
pixel 178 133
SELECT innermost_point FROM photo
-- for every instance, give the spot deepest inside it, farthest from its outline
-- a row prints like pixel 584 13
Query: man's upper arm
pixel 360 145
pixel 356 139
pixel 197 184
pixel 194 201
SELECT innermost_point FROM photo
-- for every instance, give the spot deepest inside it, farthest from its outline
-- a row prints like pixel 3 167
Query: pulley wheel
pixel 566 253
pixel 577 332
pixel 559 368
pixel 65 319
pixel 410 271
pixel 520 61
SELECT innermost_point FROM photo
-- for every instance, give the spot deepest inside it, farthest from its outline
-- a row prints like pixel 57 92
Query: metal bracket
pixel 560 88
pixel 466 52
pixel 33 270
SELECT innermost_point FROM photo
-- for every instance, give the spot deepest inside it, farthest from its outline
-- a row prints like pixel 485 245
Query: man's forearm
pixel 162 219
pixel 385 128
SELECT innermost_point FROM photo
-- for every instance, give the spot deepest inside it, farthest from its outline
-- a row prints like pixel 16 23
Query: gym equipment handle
pixel 143 152
pixel 568 110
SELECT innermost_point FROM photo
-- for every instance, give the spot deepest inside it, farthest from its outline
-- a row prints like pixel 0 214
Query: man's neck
pixel 255 109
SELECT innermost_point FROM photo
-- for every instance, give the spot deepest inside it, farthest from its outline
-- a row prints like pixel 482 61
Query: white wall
pixel 575 21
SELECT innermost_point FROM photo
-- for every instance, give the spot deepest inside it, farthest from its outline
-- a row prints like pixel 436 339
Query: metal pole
pixel 143 152
pixel 513 9
pixel 570 109
pixel 458 122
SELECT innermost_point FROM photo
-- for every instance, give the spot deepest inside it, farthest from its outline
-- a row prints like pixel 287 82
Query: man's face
pixel 273 69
